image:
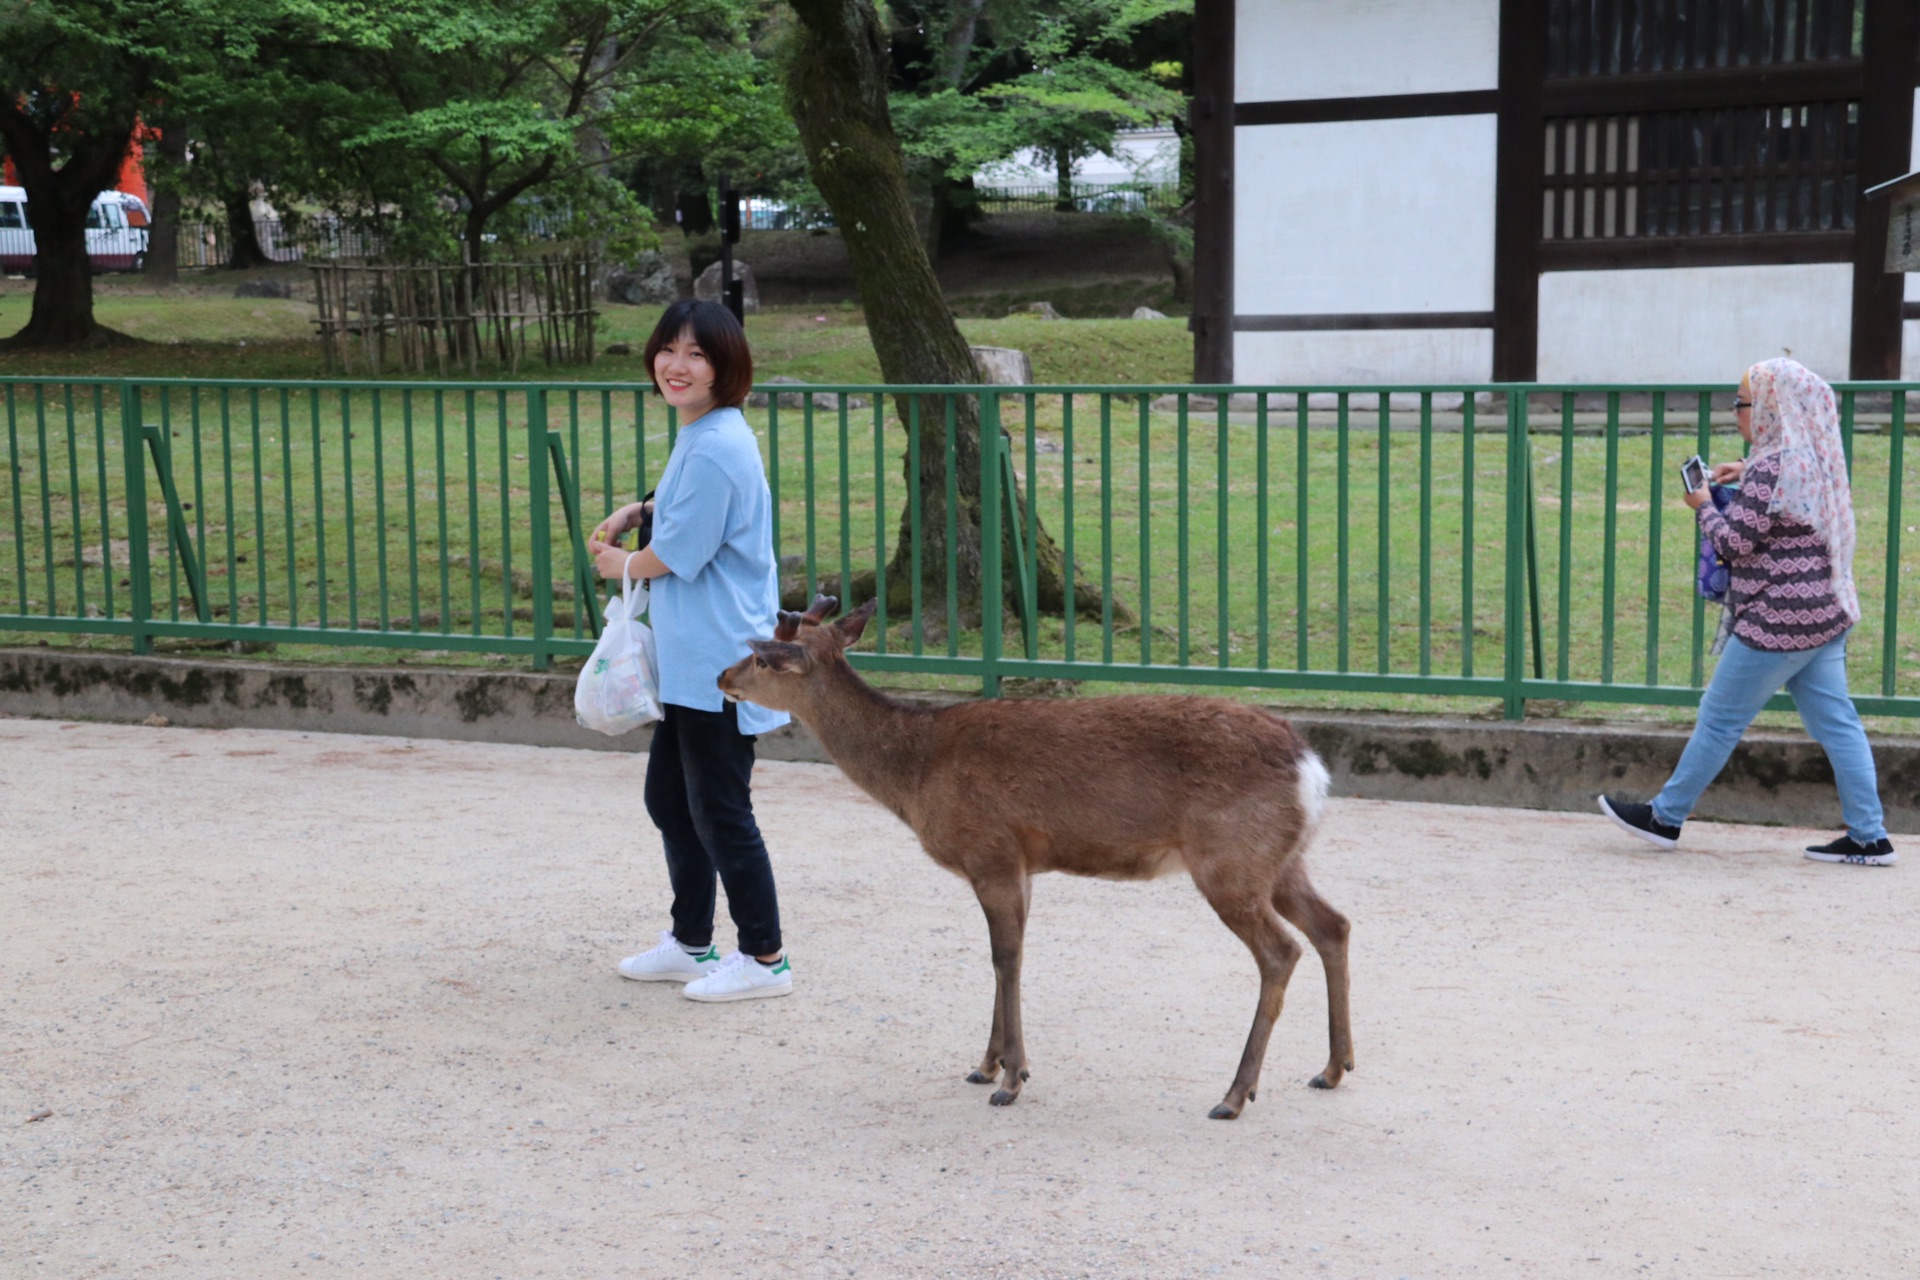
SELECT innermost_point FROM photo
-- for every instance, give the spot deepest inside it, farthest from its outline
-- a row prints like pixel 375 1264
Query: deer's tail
pixel 1313 782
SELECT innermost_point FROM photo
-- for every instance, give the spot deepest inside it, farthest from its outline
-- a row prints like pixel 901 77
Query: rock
pixel 1044 310
pixel 1003 366
pixel 1148 313
pixel 648 281
pixel 798 399
pixel 707 287
pixel 619 349
pixel 263 289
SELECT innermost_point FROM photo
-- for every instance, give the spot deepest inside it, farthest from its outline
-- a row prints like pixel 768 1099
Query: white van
pixel 117 230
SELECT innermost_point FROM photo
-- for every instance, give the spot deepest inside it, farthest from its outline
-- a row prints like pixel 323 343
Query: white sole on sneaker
pixel 1854 859
pixel 1658 842
pixel 745 993
pixel 660 977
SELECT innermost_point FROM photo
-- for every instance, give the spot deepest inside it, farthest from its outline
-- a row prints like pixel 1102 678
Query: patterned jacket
pixel 1781 592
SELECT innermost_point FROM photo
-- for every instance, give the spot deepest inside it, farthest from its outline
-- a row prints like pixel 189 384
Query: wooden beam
pixel 1386 106
pixel 1520 148
pixel 1364 320
pixel 1889 37
pixel 1212 116
pixel 1620 252
pixel 1705 90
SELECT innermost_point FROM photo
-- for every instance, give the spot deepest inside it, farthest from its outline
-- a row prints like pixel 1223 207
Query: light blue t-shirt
pixel 713 526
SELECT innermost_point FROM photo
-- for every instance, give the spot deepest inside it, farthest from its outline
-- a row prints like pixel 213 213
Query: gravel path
pixel 274 1004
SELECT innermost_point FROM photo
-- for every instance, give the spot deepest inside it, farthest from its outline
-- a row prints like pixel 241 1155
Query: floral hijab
pixel 1794 415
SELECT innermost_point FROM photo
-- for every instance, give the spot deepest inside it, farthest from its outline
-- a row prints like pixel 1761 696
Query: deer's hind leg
pixel 1251 916
pixel 1327 930
pixel 1005 901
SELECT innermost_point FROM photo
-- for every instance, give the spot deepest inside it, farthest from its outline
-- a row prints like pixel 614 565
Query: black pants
pixel 699 793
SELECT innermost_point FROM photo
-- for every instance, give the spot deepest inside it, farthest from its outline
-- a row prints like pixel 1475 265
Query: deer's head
pixel 776 674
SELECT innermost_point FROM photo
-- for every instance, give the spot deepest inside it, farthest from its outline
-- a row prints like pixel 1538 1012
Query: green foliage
pixel 1063 77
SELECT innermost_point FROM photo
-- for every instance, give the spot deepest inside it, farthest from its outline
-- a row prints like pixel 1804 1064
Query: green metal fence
pixel 1494 541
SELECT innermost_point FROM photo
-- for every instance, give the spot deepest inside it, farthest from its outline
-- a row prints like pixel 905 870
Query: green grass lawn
pixel 191 335
pixel 1320 550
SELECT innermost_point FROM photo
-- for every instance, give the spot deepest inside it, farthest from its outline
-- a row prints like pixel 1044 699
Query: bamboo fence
pixel 413 317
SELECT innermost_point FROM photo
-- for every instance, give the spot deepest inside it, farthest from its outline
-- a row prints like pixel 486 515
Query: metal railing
pixel 1487 542
pixel 210 244
pixel 1085 197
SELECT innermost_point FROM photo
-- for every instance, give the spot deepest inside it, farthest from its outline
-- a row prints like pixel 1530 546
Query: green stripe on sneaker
pixel 782 967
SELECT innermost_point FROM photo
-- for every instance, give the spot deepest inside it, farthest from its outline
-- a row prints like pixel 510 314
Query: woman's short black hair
pixel 719 337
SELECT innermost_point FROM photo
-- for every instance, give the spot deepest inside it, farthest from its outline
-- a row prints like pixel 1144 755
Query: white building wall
pixel 1364 215
pixel 1320 357
pixel 1693 324
pixel 1288 49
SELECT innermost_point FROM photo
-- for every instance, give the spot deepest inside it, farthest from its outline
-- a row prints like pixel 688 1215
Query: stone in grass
pixel 707 287
pixel 263 289
pixel 1148 313
pixel 1039 310
pixel 797 399
pixel 1002 366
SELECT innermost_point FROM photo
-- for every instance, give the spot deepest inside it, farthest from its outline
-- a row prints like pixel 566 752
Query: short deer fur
pixel 1127 788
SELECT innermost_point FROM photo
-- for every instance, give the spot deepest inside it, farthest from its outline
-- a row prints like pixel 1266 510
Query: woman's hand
pixel 1729 472
pixel 611 561
pixel 618 524
pixel 1697 498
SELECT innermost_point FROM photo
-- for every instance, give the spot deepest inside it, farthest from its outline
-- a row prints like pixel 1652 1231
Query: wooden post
pixel 1519 171
pixel 1890 42
pixel 1211 321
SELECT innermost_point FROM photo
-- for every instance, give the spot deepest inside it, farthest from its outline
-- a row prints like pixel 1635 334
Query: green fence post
pixel 991 604
pixel 539 533
pixel 139 571
pixel 1514 641
pixel 586 584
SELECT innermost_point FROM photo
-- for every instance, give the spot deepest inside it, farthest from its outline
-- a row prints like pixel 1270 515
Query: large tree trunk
pixel 57 203
pixel 243 238
pixel 837 90
pixel 163 233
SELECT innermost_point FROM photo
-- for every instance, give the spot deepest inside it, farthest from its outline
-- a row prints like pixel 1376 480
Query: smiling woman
pixel 715 588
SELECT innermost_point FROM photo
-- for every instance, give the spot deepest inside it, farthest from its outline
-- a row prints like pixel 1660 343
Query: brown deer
pixel 1127 788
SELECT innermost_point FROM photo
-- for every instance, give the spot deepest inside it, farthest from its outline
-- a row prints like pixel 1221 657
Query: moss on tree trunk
pixel 837 91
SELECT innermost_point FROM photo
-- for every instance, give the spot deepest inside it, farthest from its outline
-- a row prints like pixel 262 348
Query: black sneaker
pixel 1848 850
pixel 1639 819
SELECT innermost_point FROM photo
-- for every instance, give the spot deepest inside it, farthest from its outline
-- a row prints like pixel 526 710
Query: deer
pixel 1128 787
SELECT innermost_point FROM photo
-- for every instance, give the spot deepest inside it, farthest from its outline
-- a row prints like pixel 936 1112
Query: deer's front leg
pixel 1005 904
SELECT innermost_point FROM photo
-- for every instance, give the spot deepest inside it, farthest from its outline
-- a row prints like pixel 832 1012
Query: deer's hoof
pixel 1224 1112
pixel 979 1077
pixel 1320 1082
pixel 1001 1098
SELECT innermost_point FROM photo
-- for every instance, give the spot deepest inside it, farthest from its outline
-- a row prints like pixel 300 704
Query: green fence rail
pixel 1502 542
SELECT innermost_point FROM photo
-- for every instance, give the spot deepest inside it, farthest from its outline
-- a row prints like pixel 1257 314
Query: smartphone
pixel 1693 473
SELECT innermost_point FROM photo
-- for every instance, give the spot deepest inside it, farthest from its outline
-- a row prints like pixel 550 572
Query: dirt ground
pixel 274 1004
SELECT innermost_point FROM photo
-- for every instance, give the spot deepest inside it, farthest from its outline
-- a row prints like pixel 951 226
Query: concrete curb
pixel 1773 777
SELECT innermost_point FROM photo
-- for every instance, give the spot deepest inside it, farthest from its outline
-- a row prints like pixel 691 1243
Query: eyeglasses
pixel 1742 404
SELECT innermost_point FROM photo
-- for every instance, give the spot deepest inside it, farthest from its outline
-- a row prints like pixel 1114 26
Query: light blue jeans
pixel 1743 681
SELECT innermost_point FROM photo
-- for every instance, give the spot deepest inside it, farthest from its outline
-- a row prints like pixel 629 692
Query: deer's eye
pixel 761 663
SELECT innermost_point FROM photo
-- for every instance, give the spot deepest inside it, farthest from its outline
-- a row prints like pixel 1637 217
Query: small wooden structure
pixel 379 316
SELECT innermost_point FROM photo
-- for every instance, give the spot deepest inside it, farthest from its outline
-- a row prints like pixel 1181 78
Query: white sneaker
pixel 669 962
pixel 741 977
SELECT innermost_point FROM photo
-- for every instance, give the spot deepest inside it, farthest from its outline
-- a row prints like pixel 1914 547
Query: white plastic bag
pixel 619 688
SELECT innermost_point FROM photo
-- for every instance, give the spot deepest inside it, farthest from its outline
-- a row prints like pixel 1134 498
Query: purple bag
pixel 1711 573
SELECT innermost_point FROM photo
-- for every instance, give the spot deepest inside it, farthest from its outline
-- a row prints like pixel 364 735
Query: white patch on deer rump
pixel 1314 783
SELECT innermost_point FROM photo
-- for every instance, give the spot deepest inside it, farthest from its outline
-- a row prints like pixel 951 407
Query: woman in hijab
pixel 1788 537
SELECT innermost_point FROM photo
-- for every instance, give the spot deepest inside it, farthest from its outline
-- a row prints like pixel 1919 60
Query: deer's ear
pixel 788 627
pixel 779 655
pixel 851 627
